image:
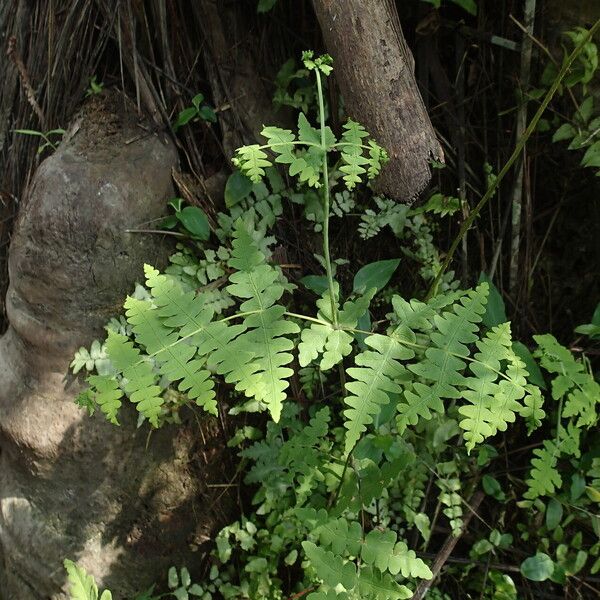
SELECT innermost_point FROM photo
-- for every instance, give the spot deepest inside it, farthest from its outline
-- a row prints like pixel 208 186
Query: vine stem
pixel 334 316
pixel 516 153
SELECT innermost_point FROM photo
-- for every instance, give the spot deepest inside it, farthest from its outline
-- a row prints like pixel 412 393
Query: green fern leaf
pixel 544 478
pixel 377 158
pixel 381 550
pixel 442 365
pixel 301 454
pixel 175 358
pixel 266 337
pixel 310 135
pixel 329 567
pixel 252 161
pixel 107 394
pixel 493 405
pixel 374 378
pixel 410 315
pixel 353 168
pixel 323 339
pixel 140 379
pixel 184 312
pixel 532 410
pixel 407 563
pixel 328 595
pixel 378 586
pixel 312 343
pixel 344 537
pixel 338 345
pixel 280 142
pixel 176 329
pixel 581 402
pixel 81 585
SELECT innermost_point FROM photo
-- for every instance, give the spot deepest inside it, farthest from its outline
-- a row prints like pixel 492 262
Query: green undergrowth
pixel 386 414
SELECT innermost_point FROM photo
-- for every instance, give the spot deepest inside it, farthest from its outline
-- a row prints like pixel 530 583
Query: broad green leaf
pixel 492 487
pixel 316 283
pixel 469 5
pixel 538 567
pixel 197 100
pixel 172 578
pixel 495 311
pixel 586 109
pixel 265 5
pixel 206 113
pixel 565 132
pixel 375 275
pixel 237 188
pixel 591 158
pixel 535 375
pixel 554 513
pixel 184 117
pixel 195 221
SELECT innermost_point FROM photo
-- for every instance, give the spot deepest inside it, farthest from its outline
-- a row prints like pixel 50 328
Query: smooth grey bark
pixel 375 71
pixel 120 503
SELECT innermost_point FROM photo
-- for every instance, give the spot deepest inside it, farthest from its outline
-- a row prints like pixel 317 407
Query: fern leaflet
pixel 443 363
pixel 374 377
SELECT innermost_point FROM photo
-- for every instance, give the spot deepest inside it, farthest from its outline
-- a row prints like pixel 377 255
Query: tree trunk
pixel 375 72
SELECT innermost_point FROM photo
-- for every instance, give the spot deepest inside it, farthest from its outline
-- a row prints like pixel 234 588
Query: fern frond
pixel 532 410
pixel 280 142
pixel 353 157
pixel 544 478
pixel 374 378
pixel 81 585
pixel 343 536
pixel 175 358
pixel 381 586
pixel 329 567
pixel 381 550
pixel 377 158
pixel 493 405
pixel 140 381
pixel 258 284
pixel 582 403
pixel 441 365
pixel 300 453
pixel 451 500
pixel 107 394
pixel 323 339
pixel 252 161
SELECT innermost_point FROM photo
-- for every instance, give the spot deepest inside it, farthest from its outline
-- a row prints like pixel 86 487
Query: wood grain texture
pixel 375 72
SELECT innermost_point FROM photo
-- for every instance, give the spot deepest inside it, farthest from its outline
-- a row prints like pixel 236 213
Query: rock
pixel 74 486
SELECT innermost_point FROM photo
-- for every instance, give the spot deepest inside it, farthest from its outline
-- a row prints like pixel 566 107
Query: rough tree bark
pixel 70 485
pixel 375 71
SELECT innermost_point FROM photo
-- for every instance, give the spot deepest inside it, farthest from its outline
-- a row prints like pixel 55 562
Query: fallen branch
pixel 13 54
pixel 447 548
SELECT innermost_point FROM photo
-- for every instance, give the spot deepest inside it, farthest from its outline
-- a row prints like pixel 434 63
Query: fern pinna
pixel 177 339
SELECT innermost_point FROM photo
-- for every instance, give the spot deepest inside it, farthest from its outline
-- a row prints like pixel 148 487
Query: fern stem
pixel 334 499
pixel 406 343
pixel 306 318
pixel 516 153
pixel 328 268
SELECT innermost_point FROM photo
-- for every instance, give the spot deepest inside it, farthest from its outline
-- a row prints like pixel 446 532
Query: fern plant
pixel 327 474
